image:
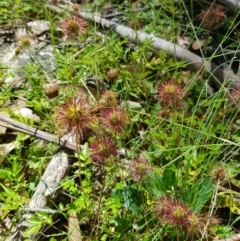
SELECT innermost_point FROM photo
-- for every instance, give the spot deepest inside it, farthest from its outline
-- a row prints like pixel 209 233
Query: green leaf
pixel 205 193
pixel 35 220
pixel 236 138
pixel 104 237
pixel 32 230
pixel 199 194
pixel 154 185
pixel 40 218
pixel 169 178
pixel 123 223
pixel 5 174
pixel 113 204
pixel 52 239
pixel 132 198
pixel 10 193
pixel 45 217
pixel 14 166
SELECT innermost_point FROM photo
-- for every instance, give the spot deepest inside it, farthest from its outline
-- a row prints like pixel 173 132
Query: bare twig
pixel 229 191
pixel 34 210
pixel 214 199
pixel 18 126
pixel 232 4
pixel 218 75
pixel 74 232
pixel 45 193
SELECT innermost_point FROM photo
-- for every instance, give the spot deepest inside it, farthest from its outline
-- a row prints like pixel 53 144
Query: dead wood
pixel 18 126
pixel 74 231
pixel 45 193
pixel 218 75
pixel 234 5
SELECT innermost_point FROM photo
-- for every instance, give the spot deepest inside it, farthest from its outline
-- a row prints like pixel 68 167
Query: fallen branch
pixel 18 126
pixel 218 75
pixel 232 4
pixel 45 193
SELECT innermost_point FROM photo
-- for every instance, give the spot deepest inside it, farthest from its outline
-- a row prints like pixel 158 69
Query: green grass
pixel 191 145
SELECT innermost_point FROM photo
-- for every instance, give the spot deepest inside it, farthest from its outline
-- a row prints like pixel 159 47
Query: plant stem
pixel 98 209
pixel 78 135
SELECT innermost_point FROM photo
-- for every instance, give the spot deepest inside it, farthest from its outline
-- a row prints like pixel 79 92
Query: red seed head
pixel 103 149
pixel 72 26
pixel 108 99
pixel 172 211
pixel 139 168
pixel 212 16
pixel 115 119
pixel 74 115
pixel 171 94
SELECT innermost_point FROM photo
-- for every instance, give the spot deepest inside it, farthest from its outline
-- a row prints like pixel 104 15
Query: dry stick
pixel 50 181
pixel 232 4
pixel 218 75
pixel 56 170
pixel 223 189
pixel 46 189
pixel 18 126
pixel 214 200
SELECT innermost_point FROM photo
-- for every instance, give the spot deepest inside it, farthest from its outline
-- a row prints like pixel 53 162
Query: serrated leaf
pixel 45 217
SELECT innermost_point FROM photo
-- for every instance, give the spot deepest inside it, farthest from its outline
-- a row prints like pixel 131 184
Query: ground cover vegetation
pixel 154 145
